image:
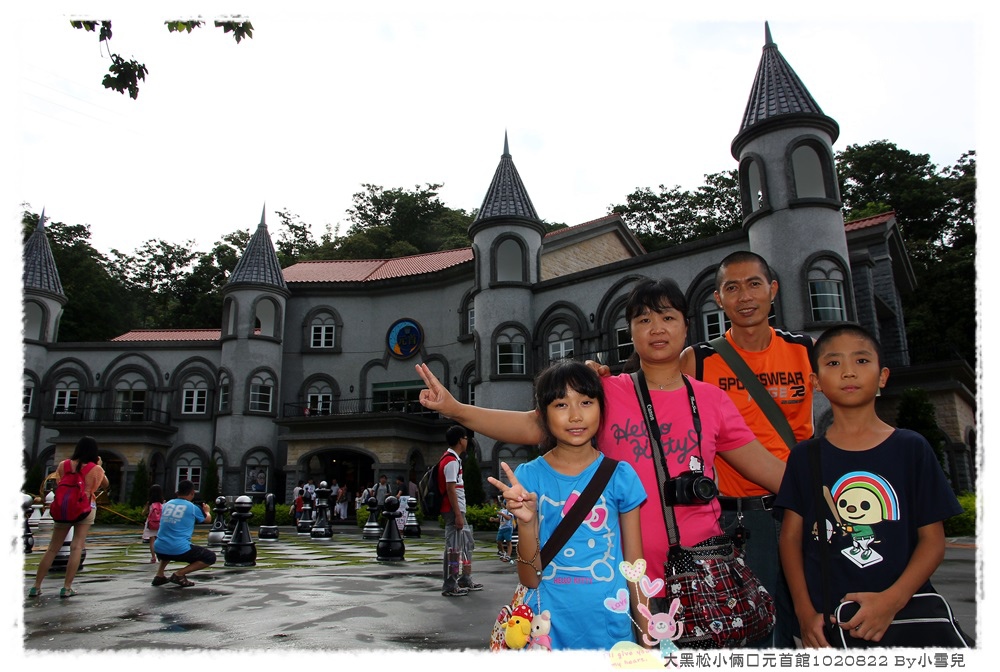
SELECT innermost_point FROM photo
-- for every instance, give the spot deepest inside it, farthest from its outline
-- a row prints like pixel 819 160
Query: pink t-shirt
pixel 624 437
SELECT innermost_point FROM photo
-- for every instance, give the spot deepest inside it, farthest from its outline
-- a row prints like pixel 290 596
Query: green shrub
pixel 964 524
pixel 120 514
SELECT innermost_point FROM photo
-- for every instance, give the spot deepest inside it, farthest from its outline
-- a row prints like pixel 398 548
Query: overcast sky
pixel 598 99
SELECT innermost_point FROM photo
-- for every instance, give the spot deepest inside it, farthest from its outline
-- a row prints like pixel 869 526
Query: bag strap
pixel 656 446
pixel 813 446
pixel 578 512
pixel 755 388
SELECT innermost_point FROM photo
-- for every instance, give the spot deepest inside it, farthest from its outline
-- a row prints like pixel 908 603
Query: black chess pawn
pixel 217 533
pixel 241 551
pixel 371 529
pixel 268 530
pixel 390 545
pixel 304 526
pixel 412 528
pixel 321 526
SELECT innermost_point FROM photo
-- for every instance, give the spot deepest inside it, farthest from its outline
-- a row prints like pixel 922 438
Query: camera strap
pixel 656 446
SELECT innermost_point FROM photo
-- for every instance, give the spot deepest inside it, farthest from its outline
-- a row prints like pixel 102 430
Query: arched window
pixel 623 339
pixel 511 353
pixel 28 394
pixel 225 389
pixel 753 185
pixel 34 321
pixel 319 398
pixel 513 456
pixel 560 343
pixel 194 396
pixel 260 399
pixel 267 318
pixel 510 261
pixel 323 332
pixel 808 171
pixel 257 473
pixel 67 396
pixel 229 317
pixel 188 468
pixel 714 322
pixel 826 291
pixel 131 397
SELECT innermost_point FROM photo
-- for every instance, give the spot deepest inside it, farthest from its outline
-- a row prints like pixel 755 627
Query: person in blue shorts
pixel 505 533
pixel 173 543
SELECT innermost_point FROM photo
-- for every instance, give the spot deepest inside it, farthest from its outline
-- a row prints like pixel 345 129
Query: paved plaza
pixel 304 595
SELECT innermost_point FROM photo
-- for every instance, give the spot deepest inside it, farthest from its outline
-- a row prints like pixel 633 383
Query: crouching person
pixel 173 543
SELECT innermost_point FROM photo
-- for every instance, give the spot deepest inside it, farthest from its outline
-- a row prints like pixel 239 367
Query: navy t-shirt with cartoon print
pixel 876 501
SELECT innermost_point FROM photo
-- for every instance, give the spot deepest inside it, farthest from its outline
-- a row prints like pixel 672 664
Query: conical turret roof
pixel 259 263
pixel 506 196
pixel 778 96
pixel 40 272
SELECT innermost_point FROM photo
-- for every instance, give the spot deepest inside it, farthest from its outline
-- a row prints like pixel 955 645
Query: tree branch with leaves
pixel 125 74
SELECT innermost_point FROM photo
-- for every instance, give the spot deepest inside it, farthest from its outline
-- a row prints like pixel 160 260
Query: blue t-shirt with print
pixel 176 526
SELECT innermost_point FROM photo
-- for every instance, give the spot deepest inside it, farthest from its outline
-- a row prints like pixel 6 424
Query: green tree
pixel 916 412
pixel 295 243
pixel 387 223
pixel 140 485
pixel 473 477
pixel 125 75
pixel 155 273
pixel 199 293
pixel 935 210
pixel 674 216
pixel 210 484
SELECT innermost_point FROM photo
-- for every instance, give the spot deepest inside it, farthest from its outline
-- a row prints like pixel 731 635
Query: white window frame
pixel 195 401
pixel 224 399
pixel 324 335
pixel 258 393
pixel 715 322
pixel 319 403
pixel 623 347
pixel 27 397
pixel 511 359
pixel 67 400
pixel 826 300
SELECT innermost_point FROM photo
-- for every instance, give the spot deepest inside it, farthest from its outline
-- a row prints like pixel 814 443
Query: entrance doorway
pixel 352 469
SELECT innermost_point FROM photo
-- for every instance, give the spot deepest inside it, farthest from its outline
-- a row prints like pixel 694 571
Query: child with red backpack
pixel 152 510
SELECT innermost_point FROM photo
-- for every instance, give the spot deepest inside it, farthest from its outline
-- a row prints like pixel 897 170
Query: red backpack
pixel 71 504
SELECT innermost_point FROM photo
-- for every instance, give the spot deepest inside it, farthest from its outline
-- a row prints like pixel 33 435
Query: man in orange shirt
pixel 745 289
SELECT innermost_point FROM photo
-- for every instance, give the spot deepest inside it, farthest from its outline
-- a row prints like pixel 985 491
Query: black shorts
pixel 193 554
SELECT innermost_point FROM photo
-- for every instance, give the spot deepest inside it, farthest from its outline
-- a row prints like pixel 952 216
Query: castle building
pixel 311 373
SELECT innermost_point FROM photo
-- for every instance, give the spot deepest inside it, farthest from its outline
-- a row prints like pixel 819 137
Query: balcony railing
pixel 116 414
pixel 355 407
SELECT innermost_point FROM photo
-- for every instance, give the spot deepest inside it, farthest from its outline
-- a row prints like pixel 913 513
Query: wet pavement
pixel 305 595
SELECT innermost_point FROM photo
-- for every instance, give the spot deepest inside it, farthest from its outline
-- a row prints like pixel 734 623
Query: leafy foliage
pixel 935 210
pixel 916 412
pixel 140 485
pixel 672 216
pixel 964 524
pixel 125 75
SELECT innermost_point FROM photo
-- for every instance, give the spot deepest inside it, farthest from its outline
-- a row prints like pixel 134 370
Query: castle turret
pixel 507 240
pixel 791 199
pixel 43 291
pixel 252 333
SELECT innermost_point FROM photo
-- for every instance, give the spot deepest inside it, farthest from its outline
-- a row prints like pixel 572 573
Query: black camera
pixel 691 487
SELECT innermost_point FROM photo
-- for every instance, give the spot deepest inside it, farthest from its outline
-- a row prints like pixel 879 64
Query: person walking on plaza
pixel 505 532
pixel 173 543
pixel 86 461
pixel 745 290
pixel 381 491
pixel 458 540
pixel 152 511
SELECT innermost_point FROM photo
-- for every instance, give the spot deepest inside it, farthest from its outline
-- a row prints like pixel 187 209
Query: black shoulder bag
pixel 723 604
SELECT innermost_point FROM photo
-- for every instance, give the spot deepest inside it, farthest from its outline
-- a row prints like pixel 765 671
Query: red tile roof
pixel 369 270
pixel 577 227
pixel 170 335
pixel 869 221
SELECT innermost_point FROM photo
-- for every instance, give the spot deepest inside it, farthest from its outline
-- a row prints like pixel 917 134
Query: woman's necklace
pixel 671 384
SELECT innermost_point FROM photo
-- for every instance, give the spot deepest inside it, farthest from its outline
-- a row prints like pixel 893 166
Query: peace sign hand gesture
pixel 520 502
pixel 436 397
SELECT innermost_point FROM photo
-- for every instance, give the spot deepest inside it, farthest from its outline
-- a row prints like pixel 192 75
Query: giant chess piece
pixel 304 526
pixel 218 531
pixel 268 530
pixel 241 551
pixel 412 528
pixel 231 526
pixel 36 512
pixel 321 526
pixel 390 545
pixel 46 518
pixel 61 561
pixel 370 530
pixel 29 538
